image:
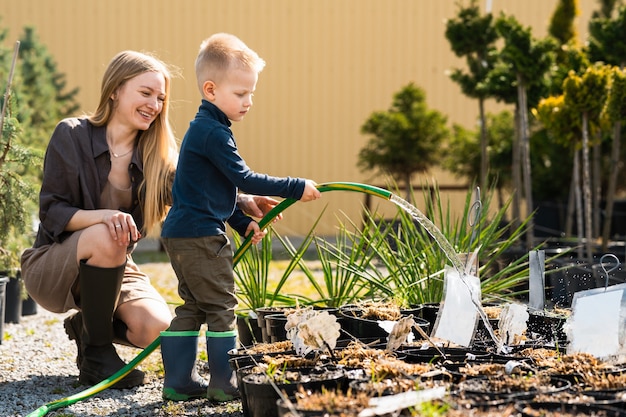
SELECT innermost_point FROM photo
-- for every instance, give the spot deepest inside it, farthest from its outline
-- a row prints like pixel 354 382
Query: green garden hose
pixel 271 215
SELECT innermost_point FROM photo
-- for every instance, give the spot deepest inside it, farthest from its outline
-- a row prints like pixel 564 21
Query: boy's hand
pixel 310 192
pixel 258 234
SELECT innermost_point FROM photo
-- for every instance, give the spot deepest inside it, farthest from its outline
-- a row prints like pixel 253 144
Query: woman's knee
pixel 97 245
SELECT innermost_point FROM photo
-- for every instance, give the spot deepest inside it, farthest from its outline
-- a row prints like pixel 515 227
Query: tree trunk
pixel 517 173
pixel 579 204
pixel 587 188
pixel 596 180
pixel 525 155
pixel 611 187
pixel 484 157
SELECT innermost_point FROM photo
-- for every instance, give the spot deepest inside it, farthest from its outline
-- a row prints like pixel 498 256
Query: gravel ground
pixel 38 366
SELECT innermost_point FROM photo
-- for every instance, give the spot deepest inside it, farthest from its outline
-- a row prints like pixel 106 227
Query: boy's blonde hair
pixel 221 52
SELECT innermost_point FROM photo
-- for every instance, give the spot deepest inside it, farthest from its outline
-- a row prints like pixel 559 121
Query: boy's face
pixel 233 94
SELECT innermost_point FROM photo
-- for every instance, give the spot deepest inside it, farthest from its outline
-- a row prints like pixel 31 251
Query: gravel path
pixel 37 366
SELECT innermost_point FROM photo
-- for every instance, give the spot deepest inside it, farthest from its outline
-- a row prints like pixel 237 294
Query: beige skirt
pixel 50 275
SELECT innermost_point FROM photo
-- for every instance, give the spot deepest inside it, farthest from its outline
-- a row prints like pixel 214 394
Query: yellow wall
pixel 330 64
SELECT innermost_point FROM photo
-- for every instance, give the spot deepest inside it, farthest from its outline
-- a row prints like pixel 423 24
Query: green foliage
pixel 472 36
pixel 616 100
pixel 406 138
pixel 344 266
pixel 40 92
pixel 562 22
pixel 587 93
pixel 462 156
pixel 529 57
pixel 252 273
pixel 607 39
pixel 17 192
pixel 413 262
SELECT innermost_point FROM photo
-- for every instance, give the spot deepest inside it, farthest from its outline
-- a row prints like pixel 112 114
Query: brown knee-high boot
pixel 99 293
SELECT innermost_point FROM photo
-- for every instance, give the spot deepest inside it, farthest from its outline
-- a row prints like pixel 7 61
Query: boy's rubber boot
pixel 222 384
pixel 179 351
pixel 99 293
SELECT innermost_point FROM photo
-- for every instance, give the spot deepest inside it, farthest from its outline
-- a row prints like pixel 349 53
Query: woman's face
pixel 139 101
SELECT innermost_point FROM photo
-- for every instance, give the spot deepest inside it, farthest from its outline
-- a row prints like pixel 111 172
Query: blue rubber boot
pixel 222 384
pixel 179 351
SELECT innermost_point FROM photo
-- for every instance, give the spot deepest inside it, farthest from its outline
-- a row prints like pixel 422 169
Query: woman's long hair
pixel 157 145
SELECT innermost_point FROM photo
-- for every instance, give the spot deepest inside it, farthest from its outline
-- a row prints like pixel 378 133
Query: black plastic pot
pixel 3 286
pixel 365 329
pixel 275 326
pixel 13 295
pixel 260 396
pixel 533 409
pixel 248 331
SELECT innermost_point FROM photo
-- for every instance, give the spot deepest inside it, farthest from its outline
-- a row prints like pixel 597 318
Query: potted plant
pixel 16 202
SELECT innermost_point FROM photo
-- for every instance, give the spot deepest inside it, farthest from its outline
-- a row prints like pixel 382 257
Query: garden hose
pixel 271 215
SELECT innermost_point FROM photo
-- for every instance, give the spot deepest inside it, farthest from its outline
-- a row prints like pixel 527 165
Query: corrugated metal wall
pixel 330 64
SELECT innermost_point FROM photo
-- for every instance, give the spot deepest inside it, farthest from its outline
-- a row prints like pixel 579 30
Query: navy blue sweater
pixel 210 172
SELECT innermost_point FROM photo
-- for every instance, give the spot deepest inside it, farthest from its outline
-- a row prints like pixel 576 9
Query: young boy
pixel 209 175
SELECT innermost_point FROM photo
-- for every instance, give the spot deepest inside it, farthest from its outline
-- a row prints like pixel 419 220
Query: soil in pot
pixel 362 322
pixel 554 409
pixel 262 393
pixel 324 403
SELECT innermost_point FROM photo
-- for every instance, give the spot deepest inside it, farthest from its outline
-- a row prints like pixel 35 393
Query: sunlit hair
pixel 157 145
pixel 221 52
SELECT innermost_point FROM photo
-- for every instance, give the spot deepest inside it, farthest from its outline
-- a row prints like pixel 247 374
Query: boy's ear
pixel 208 90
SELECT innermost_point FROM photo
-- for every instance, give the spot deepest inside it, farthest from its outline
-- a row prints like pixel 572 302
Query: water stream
pixel 450 253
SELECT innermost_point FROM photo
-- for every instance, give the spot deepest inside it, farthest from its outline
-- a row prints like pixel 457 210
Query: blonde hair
pixel 221 52
pixel 157 145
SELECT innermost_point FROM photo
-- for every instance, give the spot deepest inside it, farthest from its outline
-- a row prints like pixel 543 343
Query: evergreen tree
pixel 473 36
pixel 406 139
pixel 562 23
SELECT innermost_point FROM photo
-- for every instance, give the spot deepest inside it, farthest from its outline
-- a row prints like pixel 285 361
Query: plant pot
pixel 29 306
pixel 261 396
pixel 366 329
pixel 264 312
pixel 3 286
pixel 248 330
pixel 13 307
pixel 275 326
pixel 533 409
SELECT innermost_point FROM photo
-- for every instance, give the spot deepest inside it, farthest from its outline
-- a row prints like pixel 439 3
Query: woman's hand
pixel 122 227
pixel 257 205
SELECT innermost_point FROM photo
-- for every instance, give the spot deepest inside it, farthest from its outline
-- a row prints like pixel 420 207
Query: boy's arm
pixel 239 222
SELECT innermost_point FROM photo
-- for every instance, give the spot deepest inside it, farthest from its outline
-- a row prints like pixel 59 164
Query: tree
pixel 473 36
pixel 616 112
pixel 462 156
pixel 530 60
pixel 587 96
pixel 40 92
pixel 562 23
pixel 16 189
pixel 406 138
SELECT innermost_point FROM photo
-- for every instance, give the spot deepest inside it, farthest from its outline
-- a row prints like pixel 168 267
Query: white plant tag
pixel 458 315
pixel 598 322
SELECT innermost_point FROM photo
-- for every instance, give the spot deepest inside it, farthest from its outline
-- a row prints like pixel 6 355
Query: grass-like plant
pixel 255 287
pixel 414 261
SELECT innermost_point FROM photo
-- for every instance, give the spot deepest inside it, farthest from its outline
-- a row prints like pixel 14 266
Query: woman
pixel 106 184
